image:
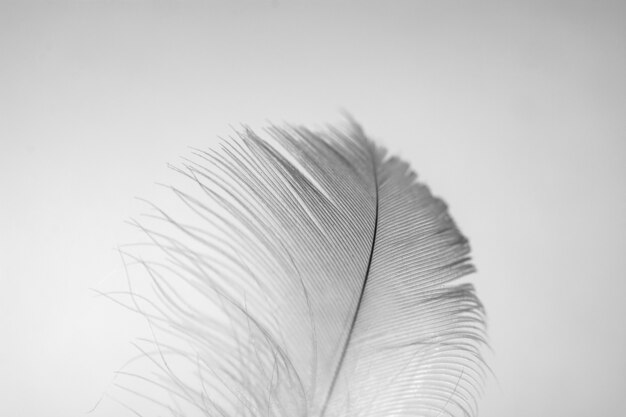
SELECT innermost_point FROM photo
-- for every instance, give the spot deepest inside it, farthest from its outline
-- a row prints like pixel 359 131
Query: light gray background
pixel 512 111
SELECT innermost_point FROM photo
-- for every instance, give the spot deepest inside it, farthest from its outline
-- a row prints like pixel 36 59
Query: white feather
pixel 308 275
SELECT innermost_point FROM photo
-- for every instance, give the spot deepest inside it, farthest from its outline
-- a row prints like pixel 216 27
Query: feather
pixel 309 274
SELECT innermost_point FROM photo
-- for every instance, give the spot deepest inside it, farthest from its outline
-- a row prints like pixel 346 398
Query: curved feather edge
pixel 303 274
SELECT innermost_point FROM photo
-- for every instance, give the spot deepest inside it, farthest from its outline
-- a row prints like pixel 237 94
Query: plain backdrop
pixel 513 112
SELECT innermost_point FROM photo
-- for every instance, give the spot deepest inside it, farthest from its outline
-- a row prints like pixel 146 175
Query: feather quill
pixel 309 274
